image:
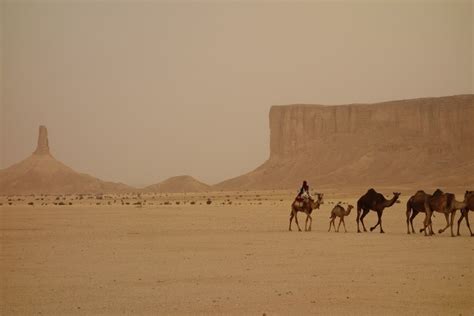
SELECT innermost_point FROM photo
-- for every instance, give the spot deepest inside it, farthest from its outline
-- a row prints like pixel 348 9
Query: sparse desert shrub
pixel 192 202
pixel 128 203
pixel 70 203
pixel 209 201
pixel 98 203
pixel 177 202
pixel 10 203
pixel 167 203
pixel 31 203
pixel 61 203
pixel 137 203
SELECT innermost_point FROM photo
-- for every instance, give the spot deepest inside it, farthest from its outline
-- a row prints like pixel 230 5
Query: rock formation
pixel 424 141
pixel 42 173
pixel 43 145
pixel 179 184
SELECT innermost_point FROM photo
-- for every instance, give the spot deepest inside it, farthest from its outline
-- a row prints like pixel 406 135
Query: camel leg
pixel 306 222
pixel 381 228
pixel 296 220
pixel 426 222
pixel 412 217
pixel 330 223
pixel 408 218
pixel 340 219
pixel 362 218
pixel 379 222
pixel 460 220
pixel 291 219
pixel 446 215
pixel 467 222
pixel 429 228
pixel 344 223
pixel 310 222
pixel 357 218
pixel 453 214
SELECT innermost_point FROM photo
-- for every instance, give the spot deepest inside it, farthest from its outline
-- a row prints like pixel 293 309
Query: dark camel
pixel 469 200
pixel 416 204
pixel 339 211
pixel 307 207
pixel 376 202
pixel 444 203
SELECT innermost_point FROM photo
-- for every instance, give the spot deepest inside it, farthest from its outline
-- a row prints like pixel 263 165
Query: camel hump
pixel 450 199
pixel 437 192
pixel 420 192
pixel 371 190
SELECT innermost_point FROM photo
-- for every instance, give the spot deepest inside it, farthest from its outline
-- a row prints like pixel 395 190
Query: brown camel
pixel 416 204
pixel 339 211
pixel 376 202
pixel 469 200
pixel 306 206
pixel 444 203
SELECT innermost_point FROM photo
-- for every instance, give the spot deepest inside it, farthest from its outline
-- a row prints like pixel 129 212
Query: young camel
pixel 339 211
pixel 469 200
pixel 376 202
pixel 307 207
pixel 444 203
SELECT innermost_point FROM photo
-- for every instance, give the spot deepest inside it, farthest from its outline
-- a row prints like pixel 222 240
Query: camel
pixel 376 202
pixel 339 211
pixel 307 207
pixel 469 200
pixel 415 205
pixel 444 203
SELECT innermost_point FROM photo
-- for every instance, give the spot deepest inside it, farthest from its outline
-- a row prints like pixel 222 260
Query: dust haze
pixel 140 92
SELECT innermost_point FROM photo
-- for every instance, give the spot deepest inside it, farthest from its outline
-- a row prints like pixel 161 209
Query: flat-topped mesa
pixel 43 145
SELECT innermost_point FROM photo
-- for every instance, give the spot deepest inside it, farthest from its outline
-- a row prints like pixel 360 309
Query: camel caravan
pixel 420 202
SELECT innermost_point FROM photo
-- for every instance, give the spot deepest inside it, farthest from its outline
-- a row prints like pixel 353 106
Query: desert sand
pixel 234 256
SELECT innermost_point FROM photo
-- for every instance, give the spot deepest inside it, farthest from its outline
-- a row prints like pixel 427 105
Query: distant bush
pixel 70 203
pixel 209 201
pixel 61 203
pixel 31 203
pixel 177 202
pixel 192 202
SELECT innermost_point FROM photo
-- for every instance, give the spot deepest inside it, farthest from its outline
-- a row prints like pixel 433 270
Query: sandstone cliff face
pixel 299 127
pixel 417 142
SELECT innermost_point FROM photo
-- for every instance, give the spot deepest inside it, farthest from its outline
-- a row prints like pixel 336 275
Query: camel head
pixel 349 208
pixel 396 195
pixel 320 198
pixel 318 202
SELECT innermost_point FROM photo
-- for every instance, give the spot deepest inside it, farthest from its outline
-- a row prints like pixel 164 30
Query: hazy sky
pixel 138 92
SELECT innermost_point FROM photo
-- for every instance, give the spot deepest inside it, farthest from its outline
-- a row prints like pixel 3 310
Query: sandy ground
pixel 223 259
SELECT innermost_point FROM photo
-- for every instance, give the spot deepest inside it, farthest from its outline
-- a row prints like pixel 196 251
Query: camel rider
pixel 304 191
